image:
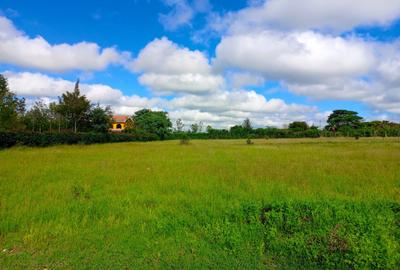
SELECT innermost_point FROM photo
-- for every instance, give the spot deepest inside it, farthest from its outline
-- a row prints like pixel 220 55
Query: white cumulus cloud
pixel 166 67
pixel 295 55
pixel 327 15
pixel 315 65
pixel 18 49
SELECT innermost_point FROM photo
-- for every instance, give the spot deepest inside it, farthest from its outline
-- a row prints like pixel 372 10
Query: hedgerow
pixel 8 139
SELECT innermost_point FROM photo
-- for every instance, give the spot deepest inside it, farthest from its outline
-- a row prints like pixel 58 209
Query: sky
pixel 211 61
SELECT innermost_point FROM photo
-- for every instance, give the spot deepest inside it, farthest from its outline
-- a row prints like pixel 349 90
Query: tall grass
pixel 316 203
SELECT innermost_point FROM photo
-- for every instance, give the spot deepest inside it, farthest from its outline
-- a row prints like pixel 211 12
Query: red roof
pixel 120 118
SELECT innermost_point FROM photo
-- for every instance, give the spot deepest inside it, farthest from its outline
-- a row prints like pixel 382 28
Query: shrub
pixel 140 135
pixel 312 133
pixel 184 139
pixel 8 139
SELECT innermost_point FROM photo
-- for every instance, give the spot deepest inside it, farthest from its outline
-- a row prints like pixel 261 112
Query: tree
pixel 341 120
pixel 100 119
pixel 74 107
pixel 38 117
pixel 151 122
pixel 239 131
pixel 201 125
pixel 11 107
pixel 129 125
pixel 194 128
pixel 298 126
pixel 247 124
pixel 55 115
pixel 179 125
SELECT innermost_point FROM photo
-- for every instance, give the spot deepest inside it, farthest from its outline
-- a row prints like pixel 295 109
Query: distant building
pixel 119 123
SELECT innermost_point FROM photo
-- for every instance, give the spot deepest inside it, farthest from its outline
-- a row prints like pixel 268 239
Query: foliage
pixel 343 120
pixel 100 118
pixel 201 125
pixel 194 128
pixel 55 117
pixel 11 107
pixel 179 125
pixel 184 139
pixel 152 122
pixel 74 107
pixel 247 125
pixel 8 139
pixel 298 126
pixel 239 131
pixel 38 117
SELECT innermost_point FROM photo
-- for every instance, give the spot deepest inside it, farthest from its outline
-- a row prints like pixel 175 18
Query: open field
pixel 313 203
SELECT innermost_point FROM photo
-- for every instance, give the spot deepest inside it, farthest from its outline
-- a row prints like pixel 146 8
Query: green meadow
pixel 328 203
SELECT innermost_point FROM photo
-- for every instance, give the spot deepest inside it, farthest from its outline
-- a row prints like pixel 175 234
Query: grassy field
pixel 277 204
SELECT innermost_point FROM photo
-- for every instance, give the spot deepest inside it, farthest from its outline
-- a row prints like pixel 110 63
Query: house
pixel 119 123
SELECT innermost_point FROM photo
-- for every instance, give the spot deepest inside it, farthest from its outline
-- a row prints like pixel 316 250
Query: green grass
pixel 317 203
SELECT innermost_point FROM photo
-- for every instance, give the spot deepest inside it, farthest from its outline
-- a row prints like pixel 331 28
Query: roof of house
pixel 120 118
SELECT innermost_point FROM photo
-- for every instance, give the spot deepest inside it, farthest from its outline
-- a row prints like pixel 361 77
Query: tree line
pixel 341 123
pixel 73 113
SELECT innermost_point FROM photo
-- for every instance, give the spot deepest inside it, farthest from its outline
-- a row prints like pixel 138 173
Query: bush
pixel 249 141
pixel 312 133
pixel 184 139
pixel 9 139
pixel 139 135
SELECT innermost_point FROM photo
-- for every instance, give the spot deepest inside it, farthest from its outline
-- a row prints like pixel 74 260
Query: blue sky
pixel 217 62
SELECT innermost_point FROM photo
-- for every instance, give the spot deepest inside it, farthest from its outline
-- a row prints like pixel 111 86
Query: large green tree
pixel 153 122
pixel 74 107
pixel 11 107
pixel 100 118
pixel 340 120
